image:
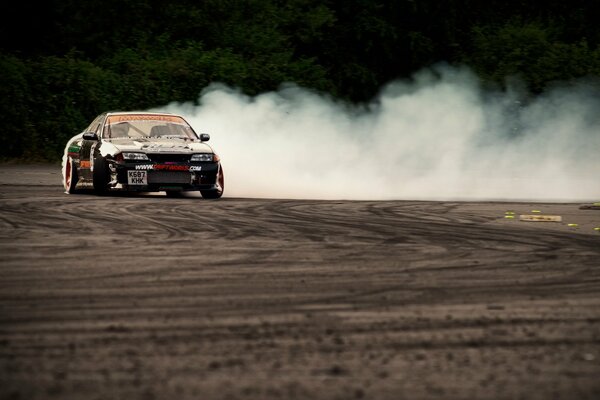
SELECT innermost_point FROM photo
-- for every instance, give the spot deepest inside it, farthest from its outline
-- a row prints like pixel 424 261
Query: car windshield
pixel 135 126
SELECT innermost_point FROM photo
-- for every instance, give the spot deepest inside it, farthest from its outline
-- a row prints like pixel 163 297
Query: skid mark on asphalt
pixel 385 299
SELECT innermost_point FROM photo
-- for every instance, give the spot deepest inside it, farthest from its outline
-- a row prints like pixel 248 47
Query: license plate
pixel 137 177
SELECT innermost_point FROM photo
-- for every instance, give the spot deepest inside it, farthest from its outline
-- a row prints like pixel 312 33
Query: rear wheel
pixel 70 176
pixel 216 193
pixel 100 176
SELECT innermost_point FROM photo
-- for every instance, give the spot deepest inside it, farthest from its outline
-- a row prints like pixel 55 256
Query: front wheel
pixel 100 176
pixel 216 193
pixel 70 177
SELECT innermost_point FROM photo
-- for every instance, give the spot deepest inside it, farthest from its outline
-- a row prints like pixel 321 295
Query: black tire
pixel 100 176
pixel 216 193
pixel 70 177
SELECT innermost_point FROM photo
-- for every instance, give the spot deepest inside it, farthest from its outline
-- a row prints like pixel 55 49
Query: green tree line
pixel 64 61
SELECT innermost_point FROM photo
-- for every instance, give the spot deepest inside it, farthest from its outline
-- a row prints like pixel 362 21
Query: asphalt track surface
pixel 149 297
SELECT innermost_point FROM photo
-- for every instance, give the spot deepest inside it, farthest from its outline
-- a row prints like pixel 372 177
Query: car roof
pixel 139 112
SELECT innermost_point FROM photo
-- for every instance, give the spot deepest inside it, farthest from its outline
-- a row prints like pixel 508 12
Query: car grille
pixel 161 158
pixel 169 177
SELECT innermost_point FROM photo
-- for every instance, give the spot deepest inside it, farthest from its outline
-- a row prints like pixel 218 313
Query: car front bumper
pixel 155 177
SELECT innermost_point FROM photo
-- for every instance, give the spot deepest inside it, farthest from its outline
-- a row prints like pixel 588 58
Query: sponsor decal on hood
pixel 157 147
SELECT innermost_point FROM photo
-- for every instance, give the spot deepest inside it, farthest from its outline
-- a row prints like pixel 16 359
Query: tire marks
pixel 148 296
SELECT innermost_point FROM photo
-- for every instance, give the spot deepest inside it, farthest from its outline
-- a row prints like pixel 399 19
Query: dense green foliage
pixel 64 61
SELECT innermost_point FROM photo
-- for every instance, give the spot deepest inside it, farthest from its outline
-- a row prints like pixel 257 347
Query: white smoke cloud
pixel 439 136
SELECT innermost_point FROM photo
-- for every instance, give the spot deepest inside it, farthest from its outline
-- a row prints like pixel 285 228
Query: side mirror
pixel 90 136
pixel 204 137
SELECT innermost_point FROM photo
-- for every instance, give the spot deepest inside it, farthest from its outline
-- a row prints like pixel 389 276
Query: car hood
pixel 156 145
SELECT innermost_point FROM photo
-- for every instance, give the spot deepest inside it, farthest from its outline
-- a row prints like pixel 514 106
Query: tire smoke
pixel 438 136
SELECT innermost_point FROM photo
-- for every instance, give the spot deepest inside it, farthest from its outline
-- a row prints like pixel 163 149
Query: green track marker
pixel 597 229
pixel 536 211
pixel 573 225
pixel 510 213
pixel 509 216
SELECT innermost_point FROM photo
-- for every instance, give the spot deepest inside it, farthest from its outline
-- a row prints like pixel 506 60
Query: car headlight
pixel 135 156
pixel 204 157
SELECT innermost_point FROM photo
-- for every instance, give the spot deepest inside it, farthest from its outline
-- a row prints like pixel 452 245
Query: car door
pixel 86 151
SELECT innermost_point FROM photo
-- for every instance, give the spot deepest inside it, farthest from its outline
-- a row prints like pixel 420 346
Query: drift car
pixel 142 151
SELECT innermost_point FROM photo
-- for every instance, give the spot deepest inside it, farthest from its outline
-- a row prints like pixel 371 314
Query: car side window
pixel 97 127
pixel 94 125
